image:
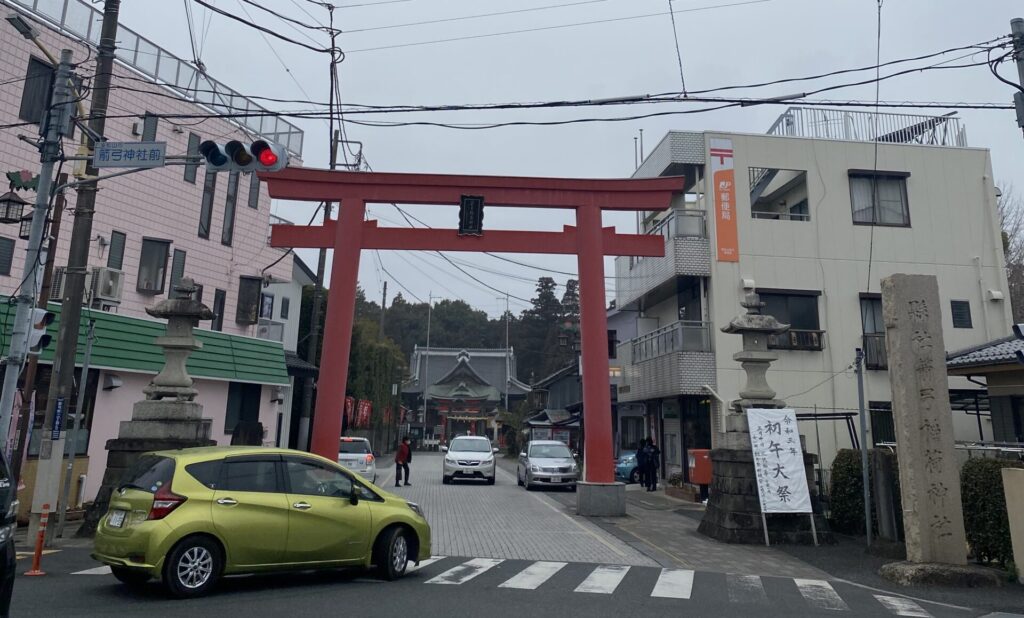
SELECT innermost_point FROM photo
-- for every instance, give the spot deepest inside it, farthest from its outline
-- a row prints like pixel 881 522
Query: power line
pixel 256 26
pixel 679 53
pixel 478 16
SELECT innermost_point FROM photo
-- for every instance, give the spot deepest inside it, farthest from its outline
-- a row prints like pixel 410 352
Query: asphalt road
pixel 507 553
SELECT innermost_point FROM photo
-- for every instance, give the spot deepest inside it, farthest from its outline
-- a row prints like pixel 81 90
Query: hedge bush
pixel 846 492
pixel 984 503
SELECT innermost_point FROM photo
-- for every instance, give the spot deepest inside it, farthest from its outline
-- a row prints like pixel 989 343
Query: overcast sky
pixel 720 46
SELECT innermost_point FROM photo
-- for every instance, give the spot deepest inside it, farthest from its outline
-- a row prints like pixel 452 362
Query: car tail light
pixel 164 501
pixel 369 459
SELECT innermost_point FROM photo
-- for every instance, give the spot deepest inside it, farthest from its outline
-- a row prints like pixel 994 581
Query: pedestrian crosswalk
pixel 651 582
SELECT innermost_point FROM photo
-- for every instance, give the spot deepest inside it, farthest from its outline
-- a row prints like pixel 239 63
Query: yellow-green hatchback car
pixel 189 516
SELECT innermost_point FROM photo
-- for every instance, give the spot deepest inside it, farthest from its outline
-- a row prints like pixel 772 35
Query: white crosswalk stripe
pixel 674 584
pixel 603 579
pixel 819 593
pixel 100 570
pixel 412 568
pixel 534 575
pixel 902 607
pixel 746 589
pixel 465 571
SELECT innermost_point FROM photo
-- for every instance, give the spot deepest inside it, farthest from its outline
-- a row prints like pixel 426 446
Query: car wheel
pixel 392 554
pixel 446 480
pixel 490 481
pixel 132 577
pixel 633 477
pixel 573 488
pixel 193 567
pixel 519 479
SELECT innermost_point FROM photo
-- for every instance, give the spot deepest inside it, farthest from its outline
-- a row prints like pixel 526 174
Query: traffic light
pixel 37 337
pixel 236 156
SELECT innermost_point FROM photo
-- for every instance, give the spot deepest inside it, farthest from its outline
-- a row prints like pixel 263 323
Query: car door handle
pixel 303 506
pixel 227 501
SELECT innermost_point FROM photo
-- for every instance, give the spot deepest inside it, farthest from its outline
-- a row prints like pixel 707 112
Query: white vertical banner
pixel 778 461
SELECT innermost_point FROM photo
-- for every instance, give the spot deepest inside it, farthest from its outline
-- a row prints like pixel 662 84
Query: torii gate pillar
pixel 599 495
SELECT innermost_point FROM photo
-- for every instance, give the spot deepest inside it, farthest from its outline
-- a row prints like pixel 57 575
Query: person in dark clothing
pixel 652 457
pixel 641 462
pixel 402 458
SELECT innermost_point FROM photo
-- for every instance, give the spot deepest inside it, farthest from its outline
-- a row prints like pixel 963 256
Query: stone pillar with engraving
pixel 733 513
pixel 169 417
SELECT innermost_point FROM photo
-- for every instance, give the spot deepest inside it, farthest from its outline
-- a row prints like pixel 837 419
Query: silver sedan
pixel 547 463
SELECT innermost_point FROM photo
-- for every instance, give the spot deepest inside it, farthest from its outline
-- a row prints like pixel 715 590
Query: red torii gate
pixel 349 234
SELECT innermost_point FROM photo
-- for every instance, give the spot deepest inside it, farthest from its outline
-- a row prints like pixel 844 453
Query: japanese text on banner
pixel 778 461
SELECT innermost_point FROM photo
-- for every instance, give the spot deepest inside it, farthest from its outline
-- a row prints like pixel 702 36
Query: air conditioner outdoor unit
pixel 270 329
pixel 106 285
pixel 57 284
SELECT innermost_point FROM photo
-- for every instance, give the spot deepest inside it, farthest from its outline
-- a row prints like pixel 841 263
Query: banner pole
pixel 814 529
pixel 764 525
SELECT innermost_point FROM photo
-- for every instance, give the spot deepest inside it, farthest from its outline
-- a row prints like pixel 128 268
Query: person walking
pixel 641 462
pixel 652 458
pixel 403 456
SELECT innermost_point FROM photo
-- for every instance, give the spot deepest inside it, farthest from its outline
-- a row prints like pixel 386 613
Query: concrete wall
pixel 954 234
pixel 158 203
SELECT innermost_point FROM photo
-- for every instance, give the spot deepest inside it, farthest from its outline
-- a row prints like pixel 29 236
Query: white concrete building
pixel 790 215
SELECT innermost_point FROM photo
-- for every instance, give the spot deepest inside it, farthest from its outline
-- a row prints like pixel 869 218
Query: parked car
pixel 626 468
pixel 356 455
pixel 9 523
pixel 189 516
pixel 547 462
pixel 469 457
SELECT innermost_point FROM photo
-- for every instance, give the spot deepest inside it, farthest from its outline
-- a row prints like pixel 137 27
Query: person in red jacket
pixel 402 458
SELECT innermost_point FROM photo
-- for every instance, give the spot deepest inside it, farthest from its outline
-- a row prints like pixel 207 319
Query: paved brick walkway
pixel 505 521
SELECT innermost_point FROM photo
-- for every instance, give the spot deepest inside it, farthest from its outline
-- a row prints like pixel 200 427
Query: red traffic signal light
pixel 236 156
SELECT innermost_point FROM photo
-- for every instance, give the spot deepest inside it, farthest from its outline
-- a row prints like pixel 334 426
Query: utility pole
pixel 508 352
pixel 426 365
pixel 1017 32
pixel 383 308
pixel 313 348
pixel 859 368
pixel 29 382
pixel 56 119
pixel 62 379
pixel 71 449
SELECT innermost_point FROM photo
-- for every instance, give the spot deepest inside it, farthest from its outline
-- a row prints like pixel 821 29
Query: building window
pixel 115 252
pixel 219 298
pixel 6 255
pixel 192 151
pixel 177 272
pixel 149 122
pixel 874 332
pixel 206 211
pixel 285 306
pixel 961 310
pixel 248 311
pixel 882 427
pixel 35 96
pixel 152 266
pixel 613 344
pixel 879 199
pixel 254 191
pixel 799 309
pixel 198 295
pixel 267 306
pixel 243 405
pixel 778 194
pixel 227 234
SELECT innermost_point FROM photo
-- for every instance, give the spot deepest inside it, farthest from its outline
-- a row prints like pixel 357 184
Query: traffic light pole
pixel 57 117
pixel 51 452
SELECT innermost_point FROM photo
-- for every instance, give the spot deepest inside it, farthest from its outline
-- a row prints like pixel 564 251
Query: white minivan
pixel 356 455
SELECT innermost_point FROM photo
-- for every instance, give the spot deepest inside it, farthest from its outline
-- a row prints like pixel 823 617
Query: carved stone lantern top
pixel 184 306
pixel 182 315
pixel 753 321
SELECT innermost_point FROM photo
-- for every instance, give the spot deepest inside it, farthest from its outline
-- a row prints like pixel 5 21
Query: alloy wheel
pixel 195 567
pixel 399 553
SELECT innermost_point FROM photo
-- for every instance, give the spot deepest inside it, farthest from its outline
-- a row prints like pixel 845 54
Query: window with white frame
pixel 879 198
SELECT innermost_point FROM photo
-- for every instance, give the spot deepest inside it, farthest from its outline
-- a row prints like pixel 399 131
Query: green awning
pixel 127 344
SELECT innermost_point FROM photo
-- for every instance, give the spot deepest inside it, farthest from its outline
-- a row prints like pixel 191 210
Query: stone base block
pixel 164 429
pixel 935 574
pixel 166 409
pixel 601 499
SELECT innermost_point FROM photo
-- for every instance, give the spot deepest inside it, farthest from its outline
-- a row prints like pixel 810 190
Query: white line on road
pixel 100 570
pixel 674 584
pixel 819 593
pixel 534 575
pixel 902 607
pixel 412 568
pixel 603 580
pixel 746 589
pixel 465 571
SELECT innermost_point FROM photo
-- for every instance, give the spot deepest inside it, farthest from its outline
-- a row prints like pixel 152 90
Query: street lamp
pixel 12 207
pixel 23 27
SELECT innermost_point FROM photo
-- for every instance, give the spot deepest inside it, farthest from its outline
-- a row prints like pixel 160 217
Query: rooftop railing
pixel 859 126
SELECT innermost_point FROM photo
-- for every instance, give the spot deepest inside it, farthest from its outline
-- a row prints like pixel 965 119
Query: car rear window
pixel 149 473
pixel 354 446
pixel 206 472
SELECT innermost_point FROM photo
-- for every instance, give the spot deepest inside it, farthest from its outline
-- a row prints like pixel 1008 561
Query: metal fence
pixel 681 336
pixel 79 19
pixel 867 126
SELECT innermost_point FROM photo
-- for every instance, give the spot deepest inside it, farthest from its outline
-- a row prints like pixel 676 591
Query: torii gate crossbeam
pixel 588 240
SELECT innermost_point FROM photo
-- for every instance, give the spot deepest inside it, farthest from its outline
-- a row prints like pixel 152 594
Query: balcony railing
pixel 875 356
pixel 681 336
pixel 864 126
pixel 797 339
pixel 689 223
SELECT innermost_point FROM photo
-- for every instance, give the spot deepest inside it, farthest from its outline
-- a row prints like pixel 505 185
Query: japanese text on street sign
pixel 778 461
pixel 129 154
pixel 58 419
